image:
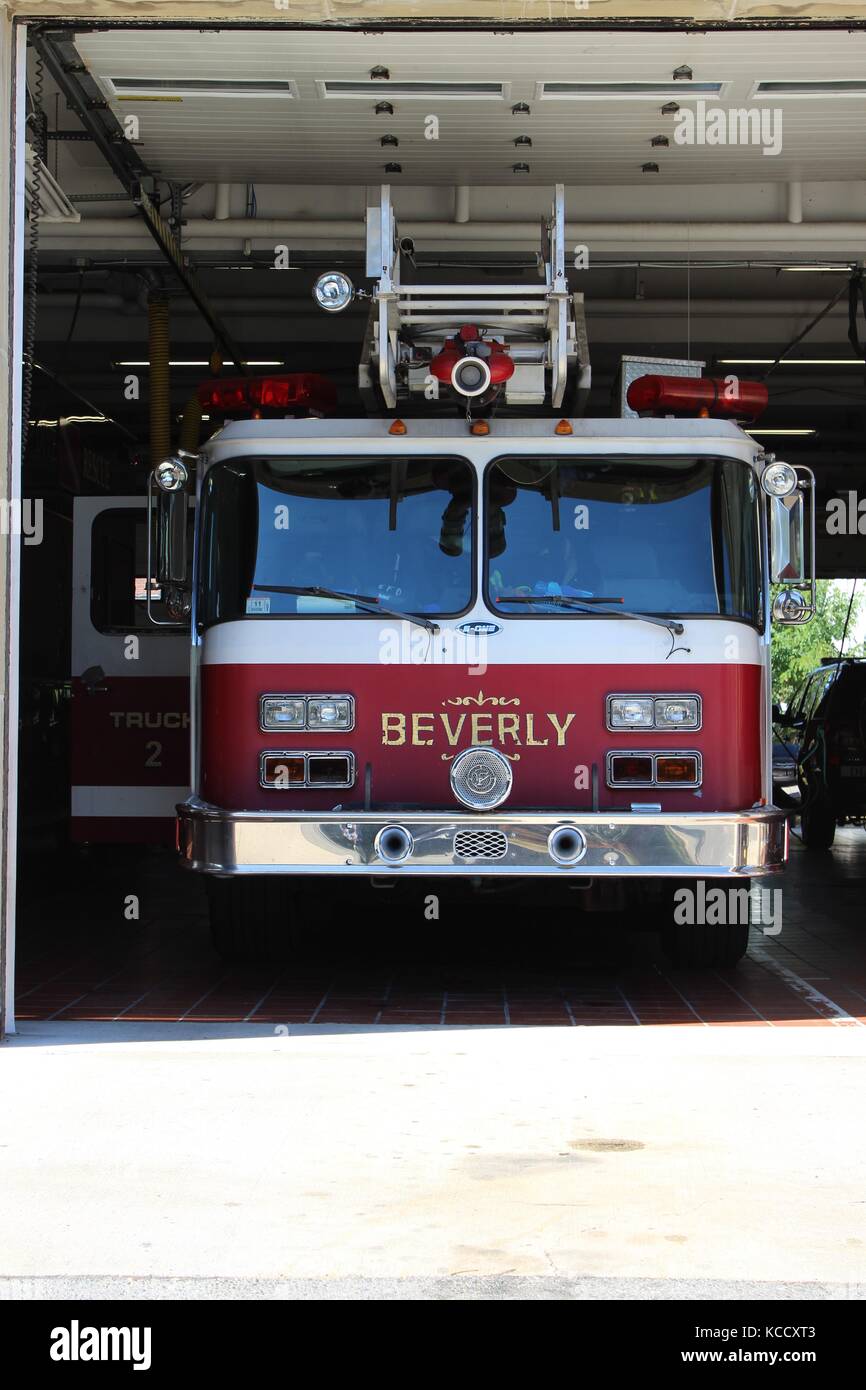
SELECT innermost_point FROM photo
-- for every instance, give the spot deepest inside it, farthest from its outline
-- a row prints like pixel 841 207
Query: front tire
pixel 707 945
pixel 817 823
pixel 252 918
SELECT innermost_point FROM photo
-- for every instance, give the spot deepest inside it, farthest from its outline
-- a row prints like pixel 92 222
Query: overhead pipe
pixel 264 228
pixel 641 308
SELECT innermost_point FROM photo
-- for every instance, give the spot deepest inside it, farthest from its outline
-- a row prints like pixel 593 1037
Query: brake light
pixel 239 395
pixel 631 769
pixel 697 395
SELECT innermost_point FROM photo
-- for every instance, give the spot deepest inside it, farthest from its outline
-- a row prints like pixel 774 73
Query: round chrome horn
pixel 566 844
pixel 393 844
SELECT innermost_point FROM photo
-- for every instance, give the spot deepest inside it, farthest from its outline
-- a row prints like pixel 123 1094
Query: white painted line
pixel 628 1006
pixel 669 981
pixel 812 996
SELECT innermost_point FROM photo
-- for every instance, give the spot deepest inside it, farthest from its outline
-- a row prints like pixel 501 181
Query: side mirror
pixel 792 539
pixel 170 479
pixel 778 714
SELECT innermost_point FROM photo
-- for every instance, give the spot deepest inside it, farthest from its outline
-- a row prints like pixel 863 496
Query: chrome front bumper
pixel 617 845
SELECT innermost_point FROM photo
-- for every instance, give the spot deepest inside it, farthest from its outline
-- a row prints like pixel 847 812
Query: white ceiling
pixel 311 139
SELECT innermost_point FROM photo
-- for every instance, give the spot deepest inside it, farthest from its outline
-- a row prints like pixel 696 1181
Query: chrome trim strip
pixel 618 844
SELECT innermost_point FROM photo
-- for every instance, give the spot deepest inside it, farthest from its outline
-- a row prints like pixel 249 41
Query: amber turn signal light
pixel 676 769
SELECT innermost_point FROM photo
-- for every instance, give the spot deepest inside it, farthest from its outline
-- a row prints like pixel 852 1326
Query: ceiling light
pixel 131 87
pixel 842 87
pixel 475 91
pixel 780 432
pixel 625 91
pixel 820 269
pixel 186 363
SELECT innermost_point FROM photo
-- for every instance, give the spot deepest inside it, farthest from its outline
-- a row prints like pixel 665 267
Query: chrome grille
pixel 480 844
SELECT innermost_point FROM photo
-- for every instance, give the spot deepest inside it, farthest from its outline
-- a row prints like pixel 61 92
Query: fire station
pixel 429 455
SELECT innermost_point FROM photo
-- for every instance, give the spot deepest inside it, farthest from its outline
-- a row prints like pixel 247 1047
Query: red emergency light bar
pixel 698 395
pixel 295 391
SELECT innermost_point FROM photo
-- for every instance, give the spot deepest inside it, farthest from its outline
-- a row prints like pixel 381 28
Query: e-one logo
pixel 77 1343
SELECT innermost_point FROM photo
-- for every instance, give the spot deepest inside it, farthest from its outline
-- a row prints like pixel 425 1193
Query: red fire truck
pixel 485 646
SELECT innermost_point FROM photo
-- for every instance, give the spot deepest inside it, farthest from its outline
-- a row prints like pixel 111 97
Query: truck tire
pixel 817 823
pixel 706 945
pixel 252 918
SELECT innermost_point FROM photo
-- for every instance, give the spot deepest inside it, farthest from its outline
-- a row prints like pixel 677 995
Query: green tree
pixel 798 650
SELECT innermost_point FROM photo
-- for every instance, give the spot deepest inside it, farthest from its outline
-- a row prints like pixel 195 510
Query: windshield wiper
pixel 368 603
pixel 597 605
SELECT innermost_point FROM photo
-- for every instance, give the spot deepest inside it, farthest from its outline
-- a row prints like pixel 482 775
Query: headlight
pixel 653 711
pixel 779 479
pixel 171 475
pixel 310 712
pixel 678 713
pixel 279 713
pixel 333 291
pixel 329 714
pixel 629 712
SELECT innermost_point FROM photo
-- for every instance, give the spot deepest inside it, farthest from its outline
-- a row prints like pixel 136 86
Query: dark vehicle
pixel 824 733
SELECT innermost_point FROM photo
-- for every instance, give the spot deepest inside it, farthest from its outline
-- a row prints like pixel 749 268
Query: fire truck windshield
pixel 301 536
pixel 666 536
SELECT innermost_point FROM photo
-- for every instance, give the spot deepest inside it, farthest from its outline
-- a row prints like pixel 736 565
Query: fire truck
pixel 486 648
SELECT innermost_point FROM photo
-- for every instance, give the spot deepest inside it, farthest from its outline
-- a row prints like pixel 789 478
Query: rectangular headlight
pixel 677 712
pixel 310 712
pixel 279 712
pixel 330 714
pixel 630 712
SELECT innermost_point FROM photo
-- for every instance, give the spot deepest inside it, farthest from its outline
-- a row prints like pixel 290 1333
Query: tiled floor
pixel 82 954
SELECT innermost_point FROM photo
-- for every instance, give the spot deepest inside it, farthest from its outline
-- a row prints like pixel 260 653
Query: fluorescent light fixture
pixel 185 363
pixel 780 432
pixel 834 87
pixel 72 420
pixel 625 91
pixel 818 269
pixel 447 91
pixel 54 206
pixel 793 361
pixel 132 87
